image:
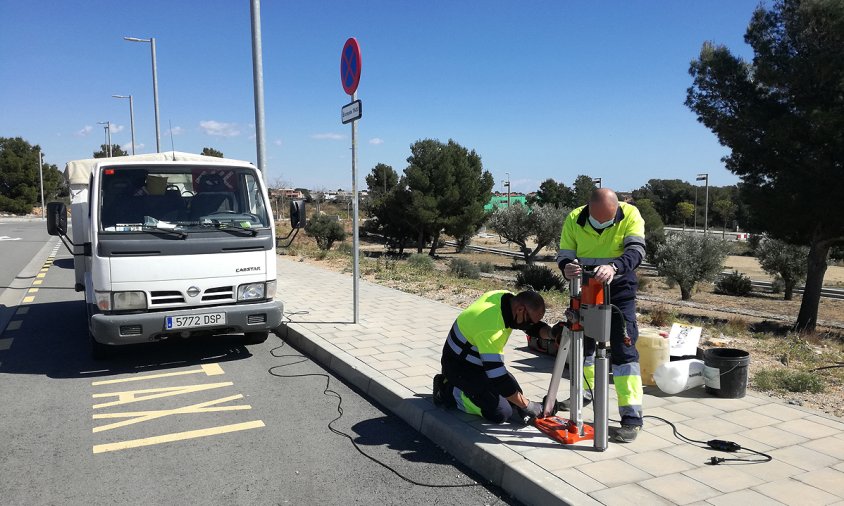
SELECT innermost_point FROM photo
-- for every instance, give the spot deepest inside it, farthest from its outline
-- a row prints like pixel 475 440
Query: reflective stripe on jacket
pixel 622 244
pixel 479 335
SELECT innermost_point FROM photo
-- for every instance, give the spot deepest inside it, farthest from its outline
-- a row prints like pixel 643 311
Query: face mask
pixel 524 325
pixel 600 226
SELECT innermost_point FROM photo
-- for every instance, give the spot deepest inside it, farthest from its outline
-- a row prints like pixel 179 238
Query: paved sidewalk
pixel 394 351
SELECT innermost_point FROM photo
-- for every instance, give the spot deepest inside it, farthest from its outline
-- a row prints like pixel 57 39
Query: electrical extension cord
pixel 331 393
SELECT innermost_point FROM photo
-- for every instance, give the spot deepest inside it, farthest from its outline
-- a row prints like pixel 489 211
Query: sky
pixel 539 89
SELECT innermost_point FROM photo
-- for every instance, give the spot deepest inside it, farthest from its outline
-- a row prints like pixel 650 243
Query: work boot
pixel 566 404
pixel 442 395
pixel 627 433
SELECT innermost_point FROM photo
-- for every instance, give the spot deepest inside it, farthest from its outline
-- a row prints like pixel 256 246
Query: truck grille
pixel 218 294
pixel 175 298
pixel 166 298
pixel 255 319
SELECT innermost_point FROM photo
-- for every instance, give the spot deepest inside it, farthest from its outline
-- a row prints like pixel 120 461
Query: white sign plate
pixel 351 112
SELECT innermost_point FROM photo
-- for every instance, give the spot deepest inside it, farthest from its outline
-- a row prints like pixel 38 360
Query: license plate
pixel 194 320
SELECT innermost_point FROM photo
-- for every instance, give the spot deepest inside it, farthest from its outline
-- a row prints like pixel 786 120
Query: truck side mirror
pixel 56 218
pixel 297 214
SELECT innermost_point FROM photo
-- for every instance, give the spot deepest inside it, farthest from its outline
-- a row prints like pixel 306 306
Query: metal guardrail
pixel 758 286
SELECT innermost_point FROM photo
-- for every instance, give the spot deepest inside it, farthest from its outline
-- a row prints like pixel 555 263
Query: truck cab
pixel 170 245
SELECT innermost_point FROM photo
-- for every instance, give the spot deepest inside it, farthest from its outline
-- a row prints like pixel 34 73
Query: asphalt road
pixel 192 422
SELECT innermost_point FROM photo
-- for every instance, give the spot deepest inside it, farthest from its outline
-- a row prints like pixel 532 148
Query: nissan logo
pixel 193 291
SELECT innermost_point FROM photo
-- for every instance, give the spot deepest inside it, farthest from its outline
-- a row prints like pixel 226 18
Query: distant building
pixel 500 200
pixel 286 193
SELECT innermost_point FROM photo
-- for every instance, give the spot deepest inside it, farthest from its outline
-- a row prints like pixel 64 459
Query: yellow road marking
pixel 131 396
pixel 5 344
pixel 33 290
pixel 177 436
pixel 37 281
pixel 40 275
pixel 22 310
pixel 28 299
pixel 145 416
pixel 14 325
pixel 208 369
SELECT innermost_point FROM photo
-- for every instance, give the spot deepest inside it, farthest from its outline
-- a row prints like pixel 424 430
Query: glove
pixel 532 411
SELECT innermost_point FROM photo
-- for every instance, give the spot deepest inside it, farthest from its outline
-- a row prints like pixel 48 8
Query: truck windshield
pixel 181 200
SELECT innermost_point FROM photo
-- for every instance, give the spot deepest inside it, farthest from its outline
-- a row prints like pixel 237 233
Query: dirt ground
pixel 757 324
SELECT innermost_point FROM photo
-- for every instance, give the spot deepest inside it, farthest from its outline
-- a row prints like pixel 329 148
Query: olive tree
pixel 778 258
pixel 518 223
pixel 689 259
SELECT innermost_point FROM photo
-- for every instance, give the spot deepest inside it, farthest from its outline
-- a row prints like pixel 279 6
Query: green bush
pixel 539 278
pixel 326 230
pixel 421 261
pixel 734 283
pixel 464 269
pixel 790 381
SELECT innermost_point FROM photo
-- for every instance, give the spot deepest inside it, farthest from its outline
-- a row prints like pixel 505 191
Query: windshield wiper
pixel 228 228
pixel 172 231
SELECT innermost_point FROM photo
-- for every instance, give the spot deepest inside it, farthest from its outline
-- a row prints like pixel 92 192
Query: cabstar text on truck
pixel 170 245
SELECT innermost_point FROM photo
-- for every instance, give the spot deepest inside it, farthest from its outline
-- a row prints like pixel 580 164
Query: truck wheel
pixel 256 337
pixel 100 351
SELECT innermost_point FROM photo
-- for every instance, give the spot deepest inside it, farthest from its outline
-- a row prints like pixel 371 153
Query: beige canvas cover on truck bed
pixel 79 171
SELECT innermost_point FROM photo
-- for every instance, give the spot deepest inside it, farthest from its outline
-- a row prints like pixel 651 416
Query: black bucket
pixel 725 372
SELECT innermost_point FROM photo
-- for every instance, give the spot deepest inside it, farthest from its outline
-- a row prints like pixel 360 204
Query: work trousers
pixel 625 362
pixel 472 389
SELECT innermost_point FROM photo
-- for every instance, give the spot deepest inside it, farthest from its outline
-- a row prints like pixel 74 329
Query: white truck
pixel 170 245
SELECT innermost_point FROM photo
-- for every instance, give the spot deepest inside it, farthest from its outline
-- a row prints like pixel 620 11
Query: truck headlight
pixel 127 301
pixel 251 291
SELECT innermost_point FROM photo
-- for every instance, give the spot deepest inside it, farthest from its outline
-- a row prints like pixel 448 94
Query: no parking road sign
pixel 350 66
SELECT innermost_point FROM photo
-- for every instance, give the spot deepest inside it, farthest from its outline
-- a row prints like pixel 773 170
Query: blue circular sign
pixel 350 66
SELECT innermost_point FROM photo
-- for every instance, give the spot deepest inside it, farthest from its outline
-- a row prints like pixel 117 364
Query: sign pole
pixel 355 238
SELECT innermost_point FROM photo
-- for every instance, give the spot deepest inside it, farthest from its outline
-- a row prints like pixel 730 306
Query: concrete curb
pixel 500 465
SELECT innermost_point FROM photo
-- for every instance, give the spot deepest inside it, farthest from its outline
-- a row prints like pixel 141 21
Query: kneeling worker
pixel 474 378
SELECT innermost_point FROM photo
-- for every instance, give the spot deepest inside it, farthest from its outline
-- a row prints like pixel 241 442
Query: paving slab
pixel 393 352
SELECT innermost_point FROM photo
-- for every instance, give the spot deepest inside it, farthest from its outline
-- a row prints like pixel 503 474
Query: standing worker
pixel 474 377
pixel 609 237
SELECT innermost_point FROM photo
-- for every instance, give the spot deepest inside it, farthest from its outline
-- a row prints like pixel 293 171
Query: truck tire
pixel 256 337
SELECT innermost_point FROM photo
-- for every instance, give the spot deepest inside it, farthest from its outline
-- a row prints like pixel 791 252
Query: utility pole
pixel 258 86
pixel 131 118
pixel 695 221
pixel 151 41
pixel 108 136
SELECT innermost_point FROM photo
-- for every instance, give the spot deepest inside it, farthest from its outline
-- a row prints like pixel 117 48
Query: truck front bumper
pixel 117 329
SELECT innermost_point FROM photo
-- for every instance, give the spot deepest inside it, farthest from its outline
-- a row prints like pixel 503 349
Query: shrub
pixel 790 381
pixel 539 278
pixel 345 248
pixel 734 283
pixel 421 261
pixel 464 269
pixel 689 259
pixel 645 282
pixel 486 267
pixel 661 316
pixel 325 230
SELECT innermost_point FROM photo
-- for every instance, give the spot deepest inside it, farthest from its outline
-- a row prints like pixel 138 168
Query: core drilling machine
pixel 588 315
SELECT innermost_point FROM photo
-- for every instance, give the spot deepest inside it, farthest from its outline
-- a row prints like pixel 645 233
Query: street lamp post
pixel 151 41
pixel 597 181
pixel 41 178
pixel 108 136
pixel 695 210
pixel 131 118
pixel 705 177
pixel 508 190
